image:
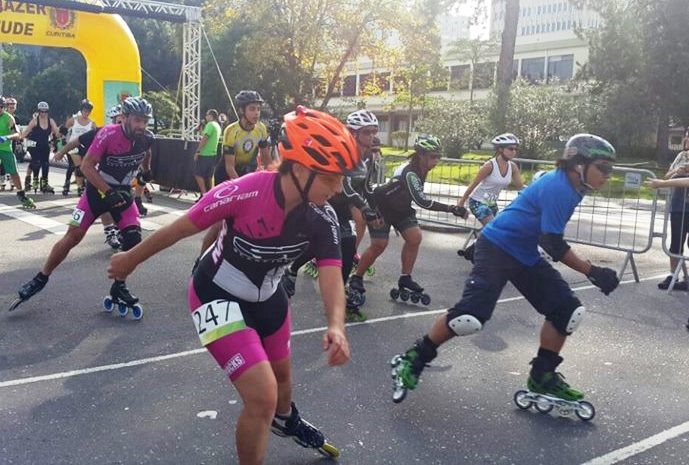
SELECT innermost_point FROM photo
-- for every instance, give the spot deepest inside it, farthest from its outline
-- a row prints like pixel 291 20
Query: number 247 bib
pixel 216 319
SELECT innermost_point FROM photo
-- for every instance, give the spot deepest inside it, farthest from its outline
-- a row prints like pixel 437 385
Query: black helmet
pixel 586 148
pixel 137 106
pixel 3 102
pixel 246 97
pixel 86 104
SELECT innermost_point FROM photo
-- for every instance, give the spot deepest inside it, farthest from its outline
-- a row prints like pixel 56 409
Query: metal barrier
pixel 667 233
pixel 618 217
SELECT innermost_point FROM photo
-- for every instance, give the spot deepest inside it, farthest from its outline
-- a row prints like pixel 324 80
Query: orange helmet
pixel 319 142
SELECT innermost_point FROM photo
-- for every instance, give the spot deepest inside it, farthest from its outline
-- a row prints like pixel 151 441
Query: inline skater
pixel 495 175
pixel 84 141
pixel 5 178
pixel 39 131
pixel 394 203
pixel 241 312
pixel 110 164
pixel 8 134
pixel 204 158
pixel 79 124
pixel 507 250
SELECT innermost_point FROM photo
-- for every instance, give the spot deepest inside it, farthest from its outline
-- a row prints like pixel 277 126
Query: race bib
pixel 77 216
pixel 216 319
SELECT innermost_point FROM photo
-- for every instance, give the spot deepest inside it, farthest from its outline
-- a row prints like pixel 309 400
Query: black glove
pixel 604 279
pixel 370 214
pixel 459 211
pixel 115 201
pixel 142 177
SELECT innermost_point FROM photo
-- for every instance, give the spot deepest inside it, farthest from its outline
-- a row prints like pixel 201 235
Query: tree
pixel 165 109
pixel 506 63
pixel 475 51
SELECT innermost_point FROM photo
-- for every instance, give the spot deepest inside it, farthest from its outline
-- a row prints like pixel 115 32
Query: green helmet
pixel 427 143
pixel 587 148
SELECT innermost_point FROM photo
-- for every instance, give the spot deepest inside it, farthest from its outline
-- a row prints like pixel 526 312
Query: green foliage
pixel 165 110
pixel 461 126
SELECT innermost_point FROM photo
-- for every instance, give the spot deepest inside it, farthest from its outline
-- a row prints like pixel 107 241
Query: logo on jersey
pixel 268 254
pixel 248 146
pixel 227 195
pixel 327 212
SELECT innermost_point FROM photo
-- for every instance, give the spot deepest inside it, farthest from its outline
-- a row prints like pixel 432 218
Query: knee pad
pixel 463 324
pixel 129 237
pixel 568 321
pixel 77 172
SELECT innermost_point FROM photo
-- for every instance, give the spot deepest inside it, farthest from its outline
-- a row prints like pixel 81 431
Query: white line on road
pixel 33 219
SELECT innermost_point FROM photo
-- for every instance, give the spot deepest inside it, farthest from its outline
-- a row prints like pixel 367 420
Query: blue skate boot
pixel 407 367
pixel 303 433
pixel 120 296
pixel 29 289
pixel 408 289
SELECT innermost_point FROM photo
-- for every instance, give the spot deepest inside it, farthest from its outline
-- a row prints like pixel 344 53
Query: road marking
pixel 33 219
pixel 619 455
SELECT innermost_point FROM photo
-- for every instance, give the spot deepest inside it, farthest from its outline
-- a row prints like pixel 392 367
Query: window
pixel 349 87
pixel 561 67
pixel 459 77
pixel 532 68
pixel 483 75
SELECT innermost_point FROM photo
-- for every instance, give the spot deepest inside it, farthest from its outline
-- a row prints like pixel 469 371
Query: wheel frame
pixel 587 405
pixel 547 409
pixel 519 396
pixel 404 295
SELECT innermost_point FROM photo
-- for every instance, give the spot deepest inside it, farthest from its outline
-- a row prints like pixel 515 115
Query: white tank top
pixel 489 189
pixel 78 129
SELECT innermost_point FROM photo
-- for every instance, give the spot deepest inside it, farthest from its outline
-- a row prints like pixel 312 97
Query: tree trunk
pixel 662 137
pixel 506 63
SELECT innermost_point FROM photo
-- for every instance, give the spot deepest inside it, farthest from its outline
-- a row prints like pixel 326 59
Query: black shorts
pixel 401 222
pixel 679 229
pixel 204 166
pixel 541 284
pixel 220 174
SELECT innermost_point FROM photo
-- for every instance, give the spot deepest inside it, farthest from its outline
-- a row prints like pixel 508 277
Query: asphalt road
pixel 79 386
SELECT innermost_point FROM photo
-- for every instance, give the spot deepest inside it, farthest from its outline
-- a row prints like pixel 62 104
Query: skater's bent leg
pixel 368 258
pixel 61 249
pixel 359 226
pixel 348 247
pixel 258 389
pixel 106 219
pixel 410 249
pixel 551 338
pixel 283 375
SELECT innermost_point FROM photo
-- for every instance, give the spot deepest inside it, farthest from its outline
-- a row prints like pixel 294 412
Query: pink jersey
pixel 118 156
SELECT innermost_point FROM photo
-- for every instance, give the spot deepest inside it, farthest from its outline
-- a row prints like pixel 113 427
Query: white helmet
pixel 361 119
pixel 503 140
pixel 114 111
pixel 43 106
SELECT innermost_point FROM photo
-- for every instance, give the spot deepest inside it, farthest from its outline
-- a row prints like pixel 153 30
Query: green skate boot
pixel 554 392
pixel 407 368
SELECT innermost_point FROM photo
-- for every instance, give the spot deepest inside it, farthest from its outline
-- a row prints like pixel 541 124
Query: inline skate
pixel 35 185
pixel 303 433
pixel 370 271
pixel 468 252
pixel 143 211
pixel 27 182
pixel 356 292
pixel 310 269
pixel 408 289
pixel 554 393
pixel 289 282
pixel 407 368
pixel 27 202
pixel 46 188
pixel 354 302
pixel 120 296
pixel 80 190
pixel 112 237
pixel 29 289
pixel 65 189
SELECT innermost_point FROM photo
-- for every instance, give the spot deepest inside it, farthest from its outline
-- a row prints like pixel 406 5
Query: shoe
pixel 679 285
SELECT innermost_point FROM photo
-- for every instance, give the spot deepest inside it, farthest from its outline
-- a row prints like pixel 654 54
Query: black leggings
pixel 39 161
pixel 679 228
pixel 70 170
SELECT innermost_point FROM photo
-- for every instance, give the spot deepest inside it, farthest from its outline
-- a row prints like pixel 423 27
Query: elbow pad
pixel 554 244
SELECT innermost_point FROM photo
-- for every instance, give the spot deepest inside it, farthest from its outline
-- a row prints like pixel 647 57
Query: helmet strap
pixel 304 193
pixel 582 177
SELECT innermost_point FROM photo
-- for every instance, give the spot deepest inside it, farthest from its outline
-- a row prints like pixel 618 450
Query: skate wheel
pixel 395 360
pixel 15 304
pixel 585 411
pixel 108 304
pixel 404 295
pixel 394 293
pixel 137 312
pixel 359 299
pixel 415 298
pixel 425 299
pixel 543 405
pixel 329 450
pixel 122 310
pixel 399 394
pixel 522 400
pixel 370 271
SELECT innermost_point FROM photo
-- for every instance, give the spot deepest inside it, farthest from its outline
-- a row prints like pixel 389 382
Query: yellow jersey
pixel 244 144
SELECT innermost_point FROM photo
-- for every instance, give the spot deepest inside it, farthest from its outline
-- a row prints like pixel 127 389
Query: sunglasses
pixel 43 111
pixel 511 147
pixel 604 168
pixel 368 132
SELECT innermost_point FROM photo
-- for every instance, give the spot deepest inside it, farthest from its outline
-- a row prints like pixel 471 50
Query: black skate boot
pixel 289 282
pixel 120 296
pixel 408 289
pixel 148 195
pixel 143 211
pixel 303 433
pixel 407 367
pixel 46 188
pixel 80 190
pixel 354 301
pixel 35 185
pixel 468 252
pixel 65 188
pixel 29 289
pixel 27 183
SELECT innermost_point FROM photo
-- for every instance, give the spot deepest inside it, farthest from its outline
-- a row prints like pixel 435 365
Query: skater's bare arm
pixel 675 182
pixel 122 264
pixel 573 261
pixel 66 148
pixel 482 174
pixel 332 292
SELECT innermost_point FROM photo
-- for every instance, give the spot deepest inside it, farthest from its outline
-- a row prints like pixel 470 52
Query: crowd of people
pixel 266 214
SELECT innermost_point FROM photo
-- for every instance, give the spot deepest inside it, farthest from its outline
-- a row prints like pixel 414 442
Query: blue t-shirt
pixel 543 207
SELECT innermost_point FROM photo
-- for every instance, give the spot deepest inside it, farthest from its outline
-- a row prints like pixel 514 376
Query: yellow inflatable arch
pixel 113 69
